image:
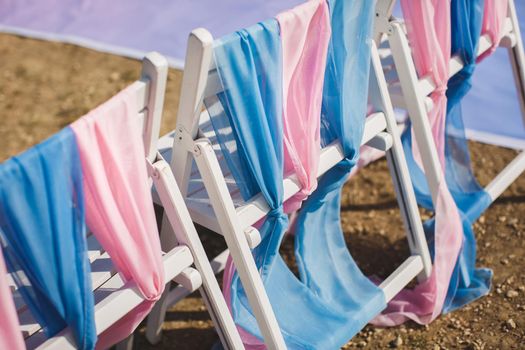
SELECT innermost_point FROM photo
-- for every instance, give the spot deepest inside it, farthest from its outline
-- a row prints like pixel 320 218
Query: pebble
pixel 504 261
pixel 511 294
pixel 502 218
pixel 361 344
pixel 436 347
pixel 114 76
pixel 396 342
pixel 481 221
pixel 510 323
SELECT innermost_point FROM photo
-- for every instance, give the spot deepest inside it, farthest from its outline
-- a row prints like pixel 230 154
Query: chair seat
pixel 255 208
pixel 105 281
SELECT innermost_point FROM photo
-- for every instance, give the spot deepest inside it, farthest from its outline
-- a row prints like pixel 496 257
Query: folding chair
pixel 185 263
pixel 214 200
pixel 410 92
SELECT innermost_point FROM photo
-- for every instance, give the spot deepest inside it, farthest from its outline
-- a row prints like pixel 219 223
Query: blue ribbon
pixel 333 300
pixel 43 235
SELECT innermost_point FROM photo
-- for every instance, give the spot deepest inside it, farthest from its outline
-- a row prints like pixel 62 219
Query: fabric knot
pixel 440 90
pixel 276 213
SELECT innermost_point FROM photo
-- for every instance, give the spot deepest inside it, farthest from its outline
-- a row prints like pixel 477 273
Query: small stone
pixel 502 218
pixel 487 244
pixel 521 288
pixel 511 294
pixel 114 76
pixel 504 261
pixel 498 290
pixel 482 219
pixel 510 323
pixel 361 344
pixel 396 342
pixel 436 347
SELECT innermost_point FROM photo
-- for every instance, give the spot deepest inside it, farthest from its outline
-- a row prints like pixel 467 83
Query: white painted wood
pixel 179 218
pixel 237 244
pixel 382 141
pixel 198 59
pixel 154 72
pixel 416 107
pixel 506 177
pixel 399 170
pixel 411 93
pixel 426 84
pixel 179 292
pixel 398 280
pixel 123 299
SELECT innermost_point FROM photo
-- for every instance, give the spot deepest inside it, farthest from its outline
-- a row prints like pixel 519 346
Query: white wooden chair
pixel 215 202
pixel 185 263
pixel 410 92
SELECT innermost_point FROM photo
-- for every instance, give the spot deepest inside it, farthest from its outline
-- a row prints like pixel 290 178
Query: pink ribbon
pixel 10 334
pixel 494 15
pixel 119 206
pixel 428 24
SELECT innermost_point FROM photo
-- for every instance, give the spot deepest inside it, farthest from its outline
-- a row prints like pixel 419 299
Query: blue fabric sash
pixel 467 283
pixel 333 300
pixel 43 235
pixel 325 264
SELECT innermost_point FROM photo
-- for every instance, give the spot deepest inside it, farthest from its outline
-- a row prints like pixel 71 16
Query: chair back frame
pixel 235 224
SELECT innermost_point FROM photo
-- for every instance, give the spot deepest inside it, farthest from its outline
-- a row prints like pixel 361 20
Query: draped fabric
pixel 306 27
pixel 119 207
pixel 305 34
pixel 249 63
pixel 10 335
pixel 494 15
pixel 325 264
pixel 428 24
pixel 467 283
pixel 44 238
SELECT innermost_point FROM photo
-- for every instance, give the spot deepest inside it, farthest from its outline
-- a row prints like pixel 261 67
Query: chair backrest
pixel 149 94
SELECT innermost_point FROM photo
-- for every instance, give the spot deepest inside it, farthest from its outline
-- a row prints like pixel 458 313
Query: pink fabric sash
pixel 119 207
pixel 305 35
pixel 428 23
pixel 494 15
pixel 10 334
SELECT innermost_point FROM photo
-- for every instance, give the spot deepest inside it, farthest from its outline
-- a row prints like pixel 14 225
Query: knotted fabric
pixel 493 25
pixel 305 35
pixel 428 25
pixel 467 282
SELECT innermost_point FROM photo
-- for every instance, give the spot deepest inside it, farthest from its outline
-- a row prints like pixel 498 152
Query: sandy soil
pixel 44 86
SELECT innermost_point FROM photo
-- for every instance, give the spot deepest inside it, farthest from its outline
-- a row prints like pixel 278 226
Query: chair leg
pixel 126 344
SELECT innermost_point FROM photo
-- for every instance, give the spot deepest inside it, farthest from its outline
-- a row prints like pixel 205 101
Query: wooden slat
pixel 102 270
pixel 426 84
pixel 250 212
pixel 116 299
